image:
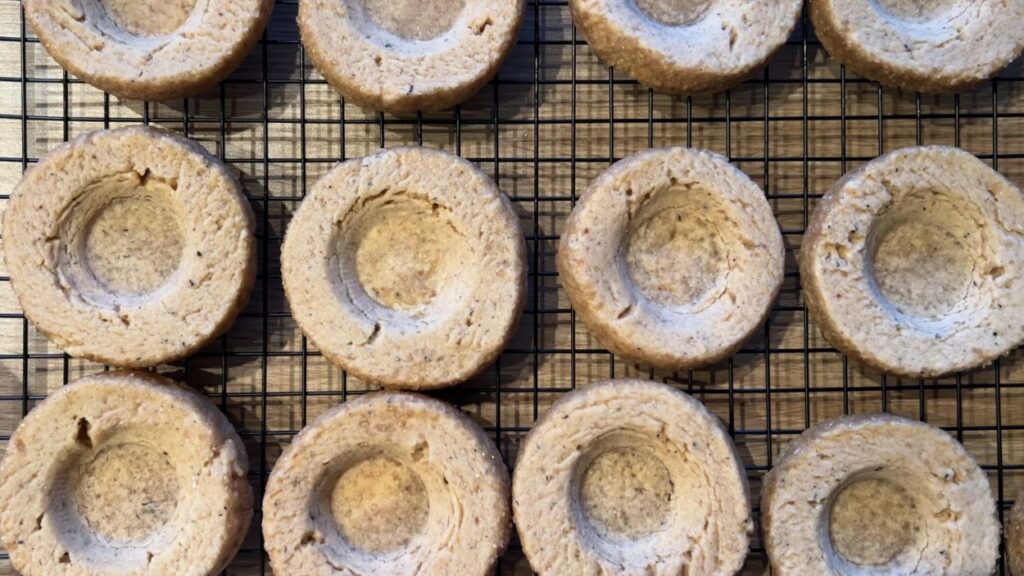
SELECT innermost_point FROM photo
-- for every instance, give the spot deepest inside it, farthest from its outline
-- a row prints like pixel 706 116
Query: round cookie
pixel 124 473
pixel 407 268
pixel 404 56
pixel 686 46
pixel 390 483
pixel 149 49
pixel 1015 537
pixel 878 495
pixel 631 477
pixel 132 247
pixel 672 258
pixel 910 264
pixel 921 45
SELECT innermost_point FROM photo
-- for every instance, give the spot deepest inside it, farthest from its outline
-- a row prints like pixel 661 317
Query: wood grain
pixel 551 122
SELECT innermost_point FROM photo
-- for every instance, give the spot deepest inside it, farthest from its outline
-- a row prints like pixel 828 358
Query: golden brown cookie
pixel 124 473
pixel 149 49
pixel 131 247
pixel 922 45
pixel 631 477
pixel 912 263
pixel 407 268
pixel 672 258
pixel 391 483
pixel 403 56
pixel 686 46
pixel 878 494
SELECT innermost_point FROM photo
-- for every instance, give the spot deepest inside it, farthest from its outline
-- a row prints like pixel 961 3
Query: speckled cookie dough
pixel 910 263
pixel 132 247
pixel 923 45
pixel 149 49
pixel 635 478
pixel 686 46
pixel 404 56
pixel 672 258
pixel 878 495
pixel 124 473
pixel 390 483
pixel 407 268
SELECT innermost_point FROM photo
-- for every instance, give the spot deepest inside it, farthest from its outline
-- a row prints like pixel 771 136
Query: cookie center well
pixel 625 493
pixel 379 505
pixel 872 521
pixel 405 253
pixel 411 19
pixel 675 253
pixel 924 251
pixel 918 11
pixel 125 492
pixel 674 12
pixel 122 239
pixel 148 17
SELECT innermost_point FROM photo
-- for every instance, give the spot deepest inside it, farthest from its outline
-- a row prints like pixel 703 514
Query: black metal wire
pixel 499 395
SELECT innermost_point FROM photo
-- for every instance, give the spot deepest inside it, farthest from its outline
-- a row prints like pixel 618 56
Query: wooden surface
pixel 552 122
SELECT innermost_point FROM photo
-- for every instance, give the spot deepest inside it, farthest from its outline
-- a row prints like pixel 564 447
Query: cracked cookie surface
pixel 404 56
pixel 672 257
pixel 910 263
pixel 406 268
pixel 124 473
pixel 878 494
pixel 390 483
pixel 686 46
pixel 921 45
pixel 631 477
pixel 149 49
pixel 133 247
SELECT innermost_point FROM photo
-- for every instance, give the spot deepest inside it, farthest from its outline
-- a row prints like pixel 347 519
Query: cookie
pixel 672 258
pixel 631 477
pixel 878 494
pixel 132 247
pixel 686 46
pixel 407 268
pixel 145 49
pixel 124 473
pixel 404 56
pixel 911 263
pixel 390 483
pixel 921 45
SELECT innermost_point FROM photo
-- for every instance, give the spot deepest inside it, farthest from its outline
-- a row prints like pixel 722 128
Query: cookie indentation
pixel 872 521
pixel 626 493
pixel 411 19
pixel 672 258
pixel 397 252
pixel 148 17
pixel 387 483
pixel 131 248
pixel 407 252
pixel 121 240
pixel 380 505
pixel 878 494
pixel 674 12
pixel 918 11
pixel 125 493
pixel 407 268
pixel 924 252
pixel 675 253
pixel 630 477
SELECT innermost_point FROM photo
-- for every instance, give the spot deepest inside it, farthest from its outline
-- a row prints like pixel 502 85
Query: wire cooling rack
pixel 552 120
